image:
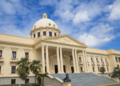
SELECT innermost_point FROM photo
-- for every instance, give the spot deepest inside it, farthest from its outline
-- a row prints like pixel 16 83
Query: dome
pixel 45 22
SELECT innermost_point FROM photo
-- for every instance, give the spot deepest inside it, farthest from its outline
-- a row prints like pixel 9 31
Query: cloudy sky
pixel 94 22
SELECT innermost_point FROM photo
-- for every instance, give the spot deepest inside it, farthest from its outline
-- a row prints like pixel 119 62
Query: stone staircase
pixel 85 79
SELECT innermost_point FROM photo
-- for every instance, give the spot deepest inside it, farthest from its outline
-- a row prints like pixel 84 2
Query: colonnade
pixel 60 60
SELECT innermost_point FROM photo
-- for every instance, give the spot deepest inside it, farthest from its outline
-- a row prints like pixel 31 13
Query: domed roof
pixel 45 22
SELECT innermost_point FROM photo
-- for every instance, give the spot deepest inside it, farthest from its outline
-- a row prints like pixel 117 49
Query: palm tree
pixel 23 68
pixel 102 70
pixel 35 67
pixel 42 76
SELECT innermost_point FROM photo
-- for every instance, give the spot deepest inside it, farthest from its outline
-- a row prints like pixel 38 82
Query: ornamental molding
pixel 1 48
pixel 14 49
pixel 27 50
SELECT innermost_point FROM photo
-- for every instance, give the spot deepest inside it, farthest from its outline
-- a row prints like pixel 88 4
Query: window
pixel 34 35
pixel 54 34
pixel 54 25
pixel 44 33
pixel 0 53
pixel 13 81
pixel 0 69
pixel 13 68
pixel 38 34
pixel 81 69
pixel 107 69
pixel 93 69
pixel 26 55
pixel 98 68
pixel 26 81
pixel 50 34
pixel 44 55
pixel 116 59
pixel 80 59
pixel 49 24
pixel 97 60
pixel 13 54
pixel 71 57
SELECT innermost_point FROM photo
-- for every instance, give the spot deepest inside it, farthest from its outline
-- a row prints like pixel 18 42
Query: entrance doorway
pixel 56 69
pixel 72 69
pixel 64 68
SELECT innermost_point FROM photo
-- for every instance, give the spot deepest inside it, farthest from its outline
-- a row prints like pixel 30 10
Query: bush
pixel 102 70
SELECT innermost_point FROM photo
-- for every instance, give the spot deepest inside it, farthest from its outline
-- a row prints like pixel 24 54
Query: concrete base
pixel 67 84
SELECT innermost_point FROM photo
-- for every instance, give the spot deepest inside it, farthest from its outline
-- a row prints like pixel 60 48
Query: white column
pixel 43 60
pixel 47 59
pixel 84 61
pixel 61 60
pixel 73 57
pixel 77 65
pixel 58 60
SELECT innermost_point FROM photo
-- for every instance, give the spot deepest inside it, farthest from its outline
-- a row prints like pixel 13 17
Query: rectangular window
pixel 38 34
pixel 34 35
pixel 93 69
pixel 81 69
pixel 80 59
pixel 26 81
pixel 98 68
pixel 44 55
pixel 54 34
pixel 13 54
pixel 71 57
pixel 107 69
pixel 0 69
pixel 13 81
pixel 116 59
pixel 13 68
pixel 50 34
pixel 44 33
pixel 0 53
pixel 26 55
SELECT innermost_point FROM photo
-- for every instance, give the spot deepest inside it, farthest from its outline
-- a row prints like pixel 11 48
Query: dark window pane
pixel 27 55
pixel 50 33
pixel 13 69
pixel 54 34
pixel 71 57
pixel 13 81
pixel 0 69
pixel 44 33
pixel 34 35
pixel 38 34
pixel 26 81
pixel 14 54
pixel 0 53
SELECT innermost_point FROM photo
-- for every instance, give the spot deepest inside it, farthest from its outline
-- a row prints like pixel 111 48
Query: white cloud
pixel 115 10
pixel 81 17
pixel 98 35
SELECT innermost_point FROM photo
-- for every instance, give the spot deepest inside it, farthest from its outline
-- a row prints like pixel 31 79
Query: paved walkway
pixel 112 84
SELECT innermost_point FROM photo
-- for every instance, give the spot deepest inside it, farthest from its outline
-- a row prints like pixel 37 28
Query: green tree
pixel 102 70
pixel 42 76
pixel 23 68
pixel 35 67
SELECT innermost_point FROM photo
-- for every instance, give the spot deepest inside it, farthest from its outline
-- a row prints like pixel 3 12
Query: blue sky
pixel 94 22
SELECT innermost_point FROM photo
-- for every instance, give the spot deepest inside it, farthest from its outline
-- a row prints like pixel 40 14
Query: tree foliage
pixel 102 70
pixel 42 76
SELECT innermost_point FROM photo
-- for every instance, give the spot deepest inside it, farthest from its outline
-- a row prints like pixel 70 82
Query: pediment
pixel 66 39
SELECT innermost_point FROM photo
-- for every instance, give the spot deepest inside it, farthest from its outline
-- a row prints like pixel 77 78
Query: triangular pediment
pixel 66 39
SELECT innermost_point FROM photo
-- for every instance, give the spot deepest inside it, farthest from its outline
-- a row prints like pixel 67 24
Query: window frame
pixel 14 81
pixel 50 33
pixel 44 33
pixel 13 71
pixel 1 52
pixel 25 54
pixel 38 34
pixel 55 34
pixel 14 54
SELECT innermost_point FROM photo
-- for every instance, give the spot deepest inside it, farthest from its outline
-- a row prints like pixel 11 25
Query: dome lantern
pixel 44 15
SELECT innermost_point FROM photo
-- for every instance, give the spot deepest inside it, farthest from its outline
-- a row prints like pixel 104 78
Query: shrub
pixel 102 70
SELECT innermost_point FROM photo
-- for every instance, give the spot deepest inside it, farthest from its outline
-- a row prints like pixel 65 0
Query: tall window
pixel 54 34
pixel 97 60
pixel 27 55
pixel 93 69
pixel 50 34
pixel 26 81
pixel 0 53
pixel 107 69
pixel 44 55
pixel 38 34
pixel 98 68
pixel 13 68
pixel 34 35
pixel 71 57
pixel 13 54
pixel 80 59
pixel 0 69
pixel 116 59
pixel 44 33
pixel 13 81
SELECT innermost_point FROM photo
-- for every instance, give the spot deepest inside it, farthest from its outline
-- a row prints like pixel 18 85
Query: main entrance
pixel 56 69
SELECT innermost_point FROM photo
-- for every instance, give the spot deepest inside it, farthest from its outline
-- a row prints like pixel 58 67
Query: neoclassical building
pixel 57 53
